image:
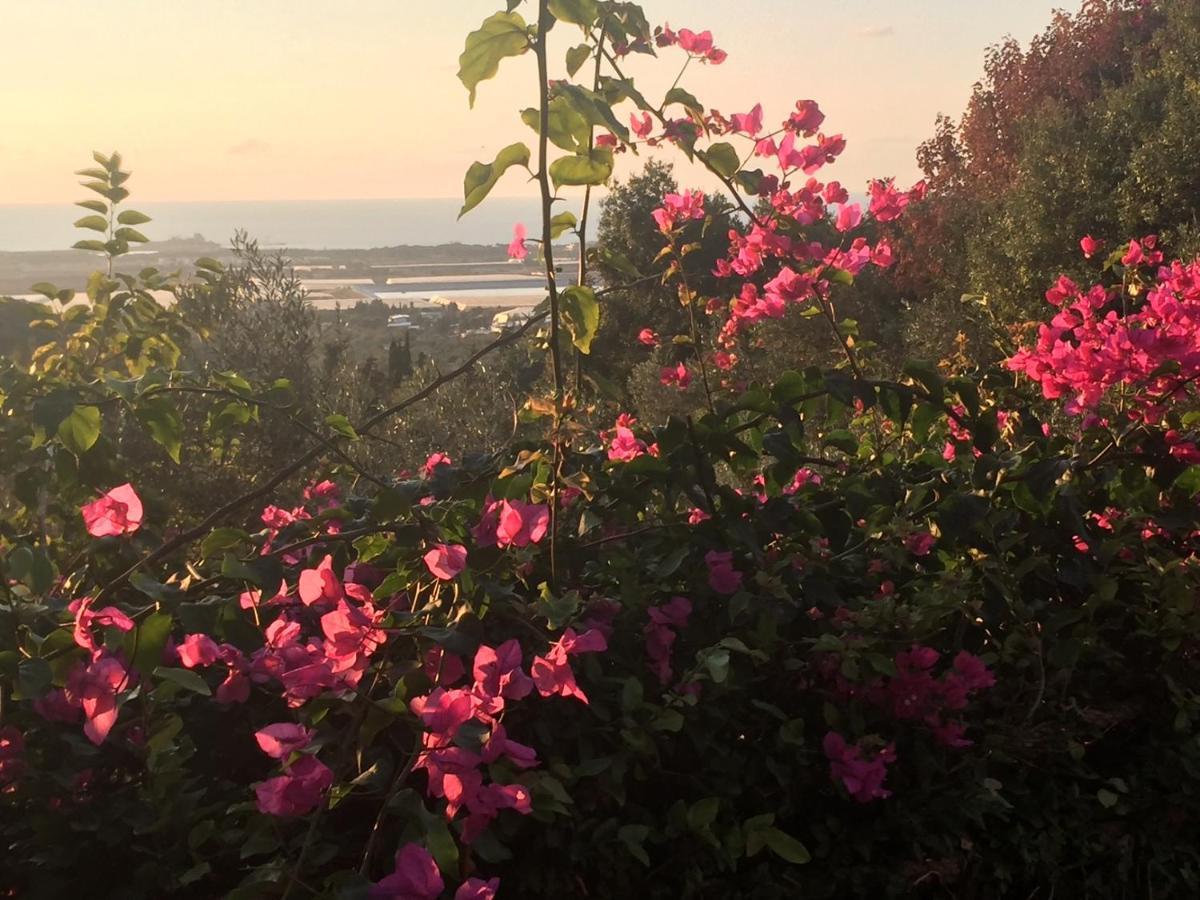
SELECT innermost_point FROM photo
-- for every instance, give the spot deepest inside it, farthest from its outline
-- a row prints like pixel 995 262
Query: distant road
pixel 573 263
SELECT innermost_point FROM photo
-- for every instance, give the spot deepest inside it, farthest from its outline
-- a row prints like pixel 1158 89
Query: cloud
pixel 250 147
pixel 877 31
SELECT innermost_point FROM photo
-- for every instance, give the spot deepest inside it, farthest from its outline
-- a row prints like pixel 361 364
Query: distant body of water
pixel 309 224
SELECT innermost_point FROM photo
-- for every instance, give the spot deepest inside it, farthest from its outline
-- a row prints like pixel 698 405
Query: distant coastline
pixel 307 224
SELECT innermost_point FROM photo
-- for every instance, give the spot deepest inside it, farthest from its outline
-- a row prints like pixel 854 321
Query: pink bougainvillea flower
pixel 320 584
pixel 95 687
pixel 12 752
pixel 86 618
pixel 807 118
pixel 416 877
pixel 1134 255
pixel 920 543
pixel 498 745
pixel 679 208
pixel 660 634
pixel 117 512
pixel 835 193
pixel 677 375
pixel 433 462
pixel 849 217
pixel 882 255
pixel 297 792
pixel 1090 246
pixel 497 671
pixel 443 668
pixel 477 889
pixel 750 123
pixel 236 686
pixel 444 711
pixel 641 127
pixel 197 650
pixel 516 247
pixel 1088 348
pixel 863 778
pixel 648 337
pixel 696 44
pixel 552 673
pixel 351 637
pixel 520 524
pixel 623 444
pixel 804 476
pixel 281 740
pixel 446 561
pixel 722 576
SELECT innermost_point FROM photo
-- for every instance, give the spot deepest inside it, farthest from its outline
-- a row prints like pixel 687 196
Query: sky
pixel 338 99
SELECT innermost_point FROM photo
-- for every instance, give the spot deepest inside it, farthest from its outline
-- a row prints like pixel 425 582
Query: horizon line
pixel 532 199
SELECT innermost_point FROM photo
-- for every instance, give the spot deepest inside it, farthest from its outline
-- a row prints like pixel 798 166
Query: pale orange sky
pixel 325 99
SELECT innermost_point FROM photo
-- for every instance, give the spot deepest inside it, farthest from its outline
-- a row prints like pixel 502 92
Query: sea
pixel 300 224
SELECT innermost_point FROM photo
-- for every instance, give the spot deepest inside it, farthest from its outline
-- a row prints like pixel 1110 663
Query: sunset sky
pixel 317 99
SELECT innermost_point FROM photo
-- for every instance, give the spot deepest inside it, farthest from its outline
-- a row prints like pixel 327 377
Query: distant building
pixel 511 318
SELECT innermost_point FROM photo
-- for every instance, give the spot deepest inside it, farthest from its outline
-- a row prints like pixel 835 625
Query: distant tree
pixel 400 359
pixel 1092 129
pixel 15 315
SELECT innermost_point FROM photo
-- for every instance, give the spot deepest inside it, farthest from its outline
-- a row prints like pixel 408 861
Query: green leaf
pixel 95 246
pixel 342 426
pixel 581 315
pixel 185 678
pixel 209 265
pixel 565 127
pixel 152 636
pixel 927 375
pixel 703 813
pixel 93 223
pixel 564 221
pixel 577 12
pixel 81 429
pixel 502 34
pixel 785 846
pixel 97 206
pixel 33 678
pixel 576 57
pixel 482 177
pixel 723 158
pixel 843 440
pixel 716 660
pixel 220 540
pixel 132 235
pixel 372 546
pixel 160 418
pixel 594 109
pixel 583 168
pixel 441 843
pixel 633 836
pixel 682 97
pixel 614 259
pixel 132 217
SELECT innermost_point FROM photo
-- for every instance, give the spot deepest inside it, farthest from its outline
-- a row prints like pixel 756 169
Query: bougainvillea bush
pixel 845 633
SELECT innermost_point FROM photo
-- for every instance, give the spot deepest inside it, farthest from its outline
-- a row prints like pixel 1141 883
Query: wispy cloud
pixel 250 147
pixel 877 31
